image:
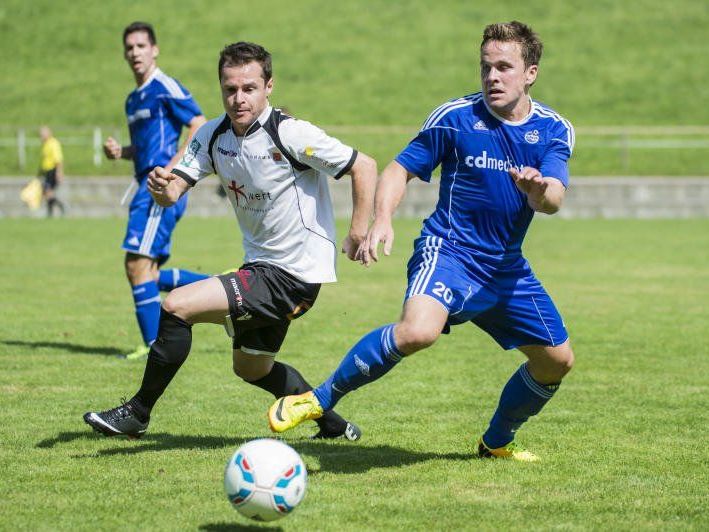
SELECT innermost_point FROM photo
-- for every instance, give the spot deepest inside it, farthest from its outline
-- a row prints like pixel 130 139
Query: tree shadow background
pixel 68 347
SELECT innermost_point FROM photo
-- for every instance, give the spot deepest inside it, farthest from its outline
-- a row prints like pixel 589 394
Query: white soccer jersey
pixel 276 180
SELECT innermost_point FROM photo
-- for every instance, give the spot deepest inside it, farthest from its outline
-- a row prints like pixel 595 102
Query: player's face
pixel 505 79
pixel 244 93
pixel 140 54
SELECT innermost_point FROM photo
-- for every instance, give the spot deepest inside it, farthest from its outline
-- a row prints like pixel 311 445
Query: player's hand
pixel 158 181
pixel 112 148
pixel 351 245
pixel 380 232
pixel 529 181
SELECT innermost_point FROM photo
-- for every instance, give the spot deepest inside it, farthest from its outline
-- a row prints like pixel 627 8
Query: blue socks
pixel 174 278
pixel 373 356
pixel 522 397
pixel 146 297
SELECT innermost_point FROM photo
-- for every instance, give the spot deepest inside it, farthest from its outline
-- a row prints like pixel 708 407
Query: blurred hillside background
pixel 633 77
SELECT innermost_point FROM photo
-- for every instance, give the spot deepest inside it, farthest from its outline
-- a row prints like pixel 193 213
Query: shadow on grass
pixel 227 527
pixel 159 441
pixel 66 346
pixel 334 457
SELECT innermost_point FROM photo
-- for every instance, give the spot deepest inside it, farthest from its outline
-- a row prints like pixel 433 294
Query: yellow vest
pixel 51 154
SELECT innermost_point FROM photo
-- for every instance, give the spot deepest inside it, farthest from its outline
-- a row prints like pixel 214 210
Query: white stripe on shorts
pixel 427 267
pixel 151 229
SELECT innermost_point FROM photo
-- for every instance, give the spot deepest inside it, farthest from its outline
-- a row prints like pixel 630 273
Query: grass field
pixel 623 442
pixel 364 63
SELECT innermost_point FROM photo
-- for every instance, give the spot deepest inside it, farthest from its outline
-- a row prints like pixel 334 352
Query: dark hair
pixel 240 53
pixel 516 31
pixel 140 26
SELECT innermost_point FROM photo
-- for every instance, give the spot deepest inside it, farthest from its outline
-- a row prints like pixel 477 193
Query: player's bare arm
pixel 364 181
pixel 194 125
pixel 391 189
pixel 544 194
pixel 165 187
pixel 113 149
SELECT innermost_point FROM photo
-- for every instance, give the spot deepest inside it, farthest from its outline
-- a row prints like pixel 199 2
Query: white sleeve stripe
pixel 442 108
pixel 432 123
pixel 570 134
pixel 433 113
pixel 171 85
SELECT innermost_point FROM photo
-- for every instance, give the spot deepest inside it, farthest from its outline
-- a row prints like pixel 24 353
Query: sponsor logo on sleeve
pixel 309 152
pixel 191 152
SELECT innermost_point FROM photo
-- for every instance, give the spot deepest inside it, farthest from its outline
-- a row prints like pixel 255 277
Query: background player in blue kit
pixel 156 112
pixel 503 156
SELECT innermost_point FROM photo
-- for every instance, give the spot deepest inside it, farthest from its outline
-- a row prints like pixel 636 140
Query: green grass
pixel 623 442
pixel 373 62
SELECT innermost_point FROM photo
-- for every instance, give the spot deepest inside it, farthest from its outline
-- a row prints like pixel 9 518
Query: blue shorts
pixel 510 304
pixel 150 226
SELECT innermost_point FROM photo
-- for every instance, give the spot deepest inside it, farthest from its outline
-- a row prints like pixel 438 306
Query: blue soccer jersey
pixel 480 208
pixel 469 256
pixel 157 111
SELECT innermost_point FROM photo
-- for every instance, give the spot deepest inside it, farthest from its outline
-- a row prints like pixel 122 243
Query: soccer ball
pixel 265 479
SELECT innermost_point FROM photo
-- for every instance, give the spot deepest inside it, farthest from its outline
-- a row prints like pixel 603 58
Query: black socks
pixel 167 354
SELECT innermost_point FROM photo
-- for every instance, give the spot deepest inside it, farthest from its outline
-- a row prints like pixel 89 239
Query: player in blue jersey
pixel 157 110
pixel 503 157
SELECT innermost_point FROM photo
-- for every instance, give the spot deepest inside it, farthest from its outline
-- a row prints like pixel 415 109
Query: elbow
pixel 368 165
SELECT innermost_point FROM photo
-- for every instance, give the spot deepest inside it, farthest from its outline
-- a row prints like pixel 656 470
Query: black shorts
pixel 50 180
pixel 263 300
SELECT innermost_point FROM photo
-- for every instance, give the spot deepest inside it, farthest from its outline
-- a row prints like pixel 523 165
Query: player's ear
pixel 156 51
pixel 269 87
pixel 532 74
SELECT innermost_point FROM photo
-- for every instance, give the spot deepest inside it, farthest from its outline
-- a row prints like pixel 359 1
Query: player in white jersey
pixel 274 170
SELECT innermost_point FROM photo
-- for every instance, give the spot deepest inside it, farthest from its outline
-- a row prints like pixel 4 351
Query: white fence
pixel 620 138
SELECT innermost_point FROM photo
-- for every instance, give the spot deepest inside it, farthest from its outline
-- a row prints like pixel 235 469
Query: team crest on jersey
pixel 278 157
pixel 532 137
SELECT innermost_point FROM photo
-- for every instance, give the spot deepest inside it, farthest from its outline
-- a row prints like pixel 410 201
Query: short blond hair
pixel 518 32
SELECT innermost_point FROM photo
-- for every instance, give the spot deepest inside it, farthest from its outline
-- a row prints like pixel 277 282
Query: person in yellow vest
pixel 51 167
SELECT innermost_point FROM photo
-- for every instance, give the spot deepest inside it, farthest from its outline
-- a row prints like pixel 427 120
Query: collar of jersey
pixel 256 125
pixel 511 122
pixel 151 78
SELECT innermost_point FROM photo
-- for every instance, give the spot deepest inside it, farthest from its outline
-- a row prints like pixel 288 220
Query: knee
pixel 140 269
pixel 568 361
pixel 176 305
pixel 549 365
pixel 250 372
pixel 562 363
pixel 412 337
